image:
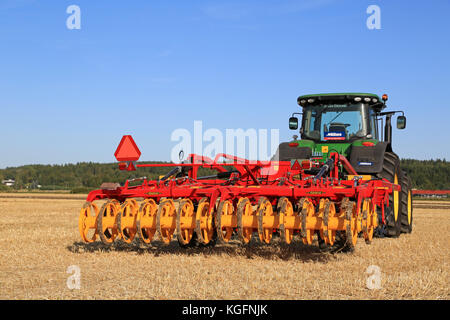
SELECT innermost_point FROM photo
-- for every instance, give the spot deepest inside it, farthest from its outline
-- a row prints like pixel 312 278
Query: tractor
pixel 349 124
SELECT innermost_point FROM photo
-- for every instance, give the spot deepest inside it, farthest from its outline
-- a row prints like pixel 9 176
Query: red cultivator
pixel 245 198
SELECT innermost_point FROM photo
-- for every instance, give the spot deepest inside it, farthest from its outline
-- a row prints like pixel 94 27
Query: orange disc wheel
pixel 106 222
pixel 126 220
pixel 306 211
pixel 225 211
pixel 204 225
pixel 146 221
pixel 185 222
pixel 351 223
pixel 165 218
pixel 285 210
pixel 329 212
pixel 87 222
pixel 245 213
pixel 266 214
pixel 367 220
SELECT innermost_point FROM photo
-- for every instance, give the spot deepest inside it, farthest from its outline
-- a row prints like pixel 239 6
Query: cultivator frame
pixel 253 199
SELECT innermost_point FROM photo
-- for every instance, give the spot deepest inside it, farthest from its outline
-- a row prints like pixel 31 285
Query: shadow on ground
pixel 276 249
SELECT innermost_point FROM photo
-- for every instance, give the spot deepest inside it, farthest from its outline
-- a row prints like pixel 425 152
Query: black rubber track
pixel 405 182
pixel 391 166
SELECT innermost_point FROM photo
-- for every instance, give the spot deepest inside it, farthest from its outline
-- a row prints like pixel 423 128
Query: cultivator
pixel 245 199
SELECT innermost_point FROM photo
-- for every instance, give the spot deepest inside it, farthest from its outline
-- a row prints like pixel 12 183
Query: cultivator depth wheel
pixel 126 220
pixel 351 224
pixel 185 222
pixel 106 221
pixel 287 219
pixel 87 222
pixel 329 214
pixel 225 221
pixel 204 227
pixel 146 221
pixel 306 209
pixel 166 220
pixel 267 220
pixel 246 219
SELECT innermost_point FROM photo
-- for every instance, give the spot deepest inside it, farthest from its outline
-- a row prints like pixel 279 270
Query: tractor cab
pixel 338 122
pixel 343 117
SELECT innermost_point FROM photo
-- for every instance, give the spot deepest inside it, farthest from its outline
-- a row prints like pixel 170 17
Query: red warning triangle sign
pixel 127 150
pixel 296 166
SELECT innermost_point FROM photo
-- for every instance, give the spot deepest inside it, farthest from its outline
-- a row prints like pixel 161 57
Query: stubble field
pixel 39 241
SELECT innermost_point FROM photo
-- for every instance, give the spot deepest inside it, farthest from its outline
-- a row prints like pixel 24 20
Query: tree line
pixel 85 176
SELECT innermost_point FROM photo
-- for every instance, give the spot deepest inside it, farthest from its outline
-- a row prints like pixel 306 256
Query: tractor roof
pixel 312 99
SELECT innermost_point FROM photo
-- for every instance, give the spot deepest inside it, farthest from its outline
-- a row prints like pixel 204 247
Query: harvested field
pixel 40 240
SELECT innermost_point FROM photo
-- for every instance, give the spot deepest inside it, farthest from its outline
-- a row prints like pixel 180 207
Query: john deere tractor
pixel 349 124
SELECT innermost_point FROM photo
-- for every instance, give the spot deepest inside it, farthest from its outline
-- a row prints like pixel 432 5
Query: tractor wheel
pixel 391 171
pixel 406 213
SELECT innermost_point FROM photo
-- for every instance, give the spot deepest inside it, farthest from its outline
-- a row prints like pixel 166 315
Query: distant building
pixel 8 182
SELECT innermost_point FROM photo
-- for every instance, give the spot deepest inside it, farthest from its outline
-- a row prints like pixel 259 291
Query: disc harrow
pixel 246 199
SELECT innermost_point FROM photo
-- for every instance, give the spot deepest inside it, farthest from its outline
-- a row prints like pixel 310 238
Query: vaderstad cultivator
pixel 244 199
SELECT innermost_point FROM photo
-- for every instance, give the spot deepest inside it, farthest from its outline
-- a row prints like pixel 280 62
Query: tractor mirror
pixel 293 123
pixel 401 122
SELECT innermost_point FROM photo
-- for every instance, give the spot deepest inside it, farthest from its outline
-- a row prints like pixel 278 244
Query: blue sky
pixel 147 68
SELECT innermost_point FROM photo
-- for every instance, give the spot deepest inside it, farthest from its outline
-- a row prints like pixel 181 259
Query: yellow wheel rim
pixel 165 220
pixel 409 207
pixel 146 220
pixel 307 212
pixel 87 222
pixel 204 222
pixel 126 220
pixel 106 222
pixel 285 211
pixel 185 221
pixel 225 210
pixel 396 204
pixel 245 214
pixel 265 210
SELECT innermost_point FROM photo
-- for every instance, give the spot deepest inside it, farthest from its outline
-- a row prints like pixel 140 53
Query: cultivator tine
pixel 185 221
pixel 87 222
pixel 106 222
pixel 246 220
pixel 126 220
pixel 146 220
pixel 166 220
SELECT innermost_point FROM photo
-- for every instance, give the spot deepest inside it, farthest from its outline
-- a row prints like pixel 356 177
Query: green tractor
pixel 348 123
